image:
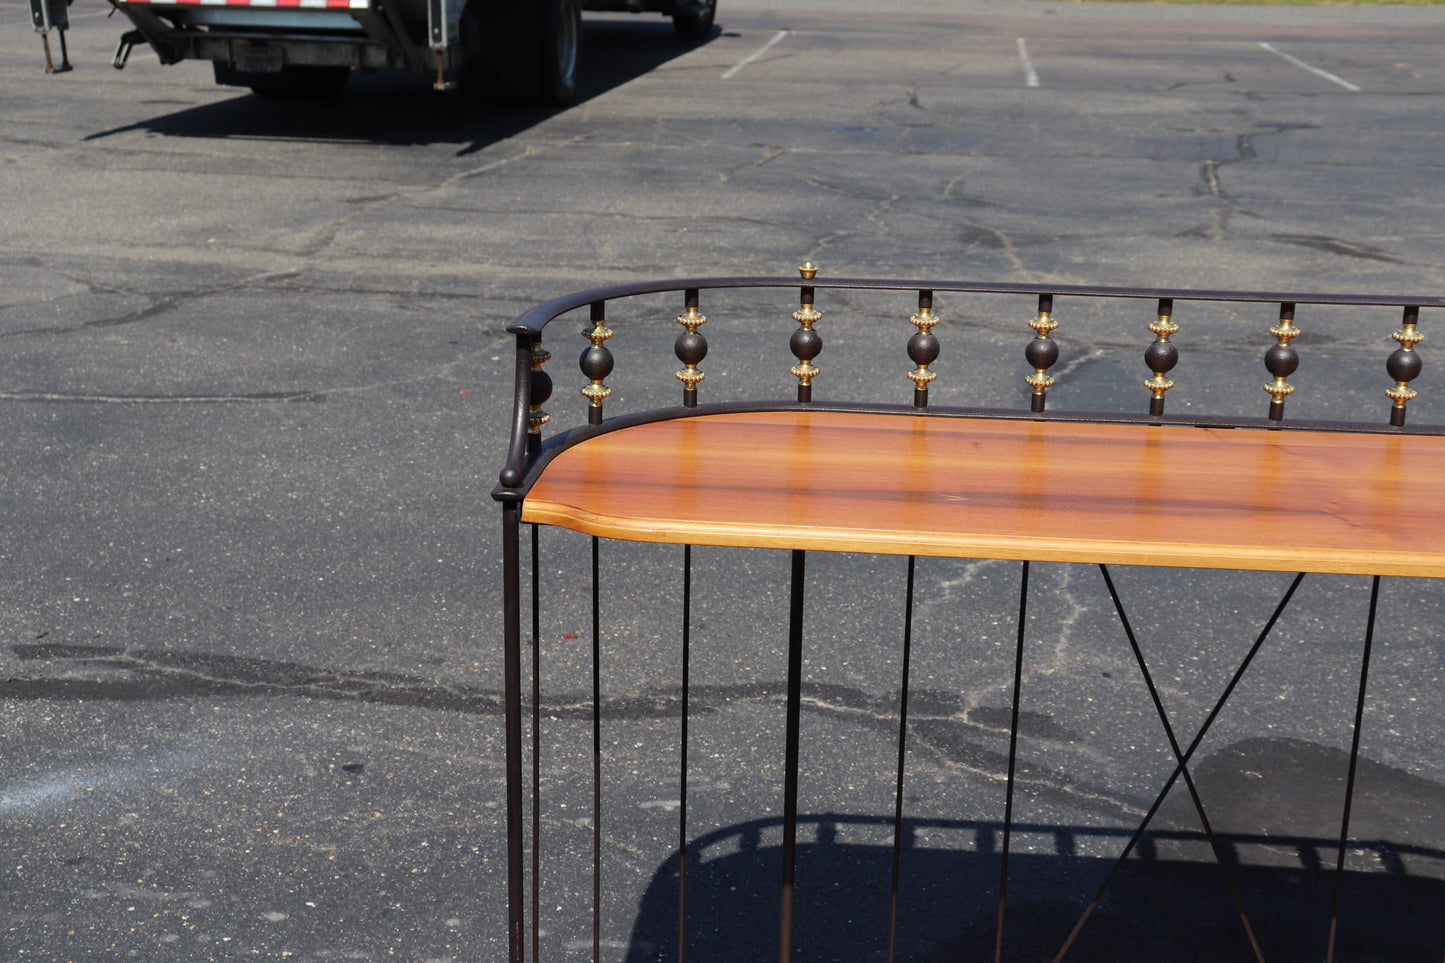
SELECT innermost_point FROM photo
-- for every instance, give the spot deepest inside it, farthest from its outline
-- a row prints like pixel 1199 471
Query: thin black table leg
pixel 1179 768
pixel 596 753
pixel 536 746
pixel 1181 763
pixel 902 760
pixel 1350 779
pixel 1013 745
pixel 790 754
pixel 682 777
pixel 512 671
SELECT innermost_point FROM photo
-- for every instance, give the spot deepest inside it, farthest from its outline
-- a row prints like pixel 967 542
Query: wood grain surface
pixel 1038 490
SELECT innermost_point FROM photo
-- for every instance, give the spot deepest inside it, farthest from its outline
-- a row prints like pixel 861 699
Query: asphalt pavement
pixel 254 398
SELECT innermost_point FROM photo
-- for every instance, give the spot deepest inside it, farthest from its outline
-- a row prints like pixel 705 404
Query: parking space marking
pixel 1031 77
pixel 776 38
pixel 1314 70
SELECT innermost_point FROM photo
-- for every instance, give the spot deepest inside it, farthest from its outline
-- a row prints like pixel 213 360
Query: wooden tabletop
pixel 1038 490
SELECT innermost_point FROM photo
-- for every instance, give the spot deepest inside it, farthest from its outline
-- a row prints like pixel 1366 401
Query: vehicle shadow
pixel 395 108
pixel 1169 902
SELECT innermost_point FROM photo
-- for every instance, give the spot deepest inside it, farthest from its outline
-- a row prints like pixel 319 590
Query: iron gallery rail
pixel 914 478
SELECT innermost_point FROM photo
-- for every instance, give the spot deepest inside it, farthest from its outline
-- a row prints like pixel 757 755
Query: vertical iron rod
pixel 902 759
pixel 1179 767
pixel 596 757
pixel 790 756
pixel 682 790
pixel 512 671
pixel 536 745
pixel 1013 744
pixel 1350 779
pixel 1179 758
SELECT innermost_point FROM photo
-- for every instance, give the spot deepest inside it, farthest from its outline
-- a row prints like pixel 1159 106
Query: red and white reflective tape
pixel 278 4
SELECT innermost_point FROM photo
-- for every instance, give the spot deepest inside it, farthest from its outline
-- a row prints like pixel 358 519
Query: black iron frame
pixel 528 456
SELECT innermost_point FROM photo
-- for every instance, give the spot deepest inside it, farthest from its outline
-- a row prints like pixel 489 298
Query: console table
pixel 915 479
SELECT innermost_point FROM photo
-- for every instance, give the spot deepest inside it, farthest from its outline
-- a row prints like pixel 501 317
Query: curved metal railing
pixel 533 386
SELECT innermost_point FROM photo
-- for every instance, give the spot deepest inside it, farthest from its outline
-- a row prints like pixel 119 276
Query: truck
pixel 522 49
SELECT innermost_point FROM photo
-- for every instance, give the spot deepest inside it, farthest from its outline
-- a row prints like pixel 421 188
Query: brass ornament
pixel 1162 329
pixel 1043 325
pixel 806 316
pixel 924 321
pixel 1284 332
pixel 536 417
pixel 1407 337
pixel 692 319
pixel 595 392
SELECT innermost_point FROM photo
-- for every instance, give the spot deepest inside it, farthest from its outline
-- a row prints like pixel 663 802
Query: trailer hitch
pixel 128 40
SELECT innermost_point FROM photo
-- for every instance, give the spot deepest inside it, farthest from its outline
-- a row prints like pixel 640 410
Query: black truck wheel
pixel 561 47
pixel 692 19
pixel 526 51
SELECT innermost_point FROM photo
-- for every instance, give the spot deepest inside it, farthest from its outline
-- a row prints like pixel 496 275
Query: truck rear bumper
pixel 322 33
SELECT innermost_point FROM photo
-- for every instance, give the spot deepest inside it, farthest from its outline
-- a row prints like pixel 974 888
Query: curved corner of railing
pixel 514 470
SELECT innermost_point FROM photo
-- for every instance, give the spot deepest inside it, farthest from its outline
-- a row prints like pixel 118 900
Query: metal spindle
pixel 682 780
pixel 1354 759
pixel 1281 360
pixel 1013 746
pixel 596 754
pixel 1042 352
pixel 1161 356
pixel 690 348
pixel 790 756
pixel 1404 365
pixel 1137 839
pixel 540 390
pixel 536 743
pixel 902 760
pixel 805 342
pixel 923 349
pixel 1219 855
pixel 596 363
pixel 512 675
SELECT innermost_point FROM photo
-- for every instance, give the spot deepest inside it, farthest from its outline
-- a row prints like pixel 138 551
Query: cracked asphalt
pixel 253 400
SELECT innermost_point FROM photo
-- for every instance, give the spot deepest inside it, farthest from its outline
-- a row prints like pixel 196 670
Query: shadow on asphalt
pixel 1275 804
pixel 1168 903
pixel 398 109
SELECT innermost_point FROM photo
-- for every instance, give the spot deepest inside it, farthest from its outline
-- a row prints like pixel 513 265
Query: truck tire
pixel 692 19
pixel 292 82
pixel 525 50
pixel 561 49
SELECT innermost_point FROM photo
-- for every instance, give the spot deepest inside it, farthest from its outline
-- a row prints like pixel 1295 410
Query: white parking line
pixel 777 37
pixel 1031 78
pixel 1314 70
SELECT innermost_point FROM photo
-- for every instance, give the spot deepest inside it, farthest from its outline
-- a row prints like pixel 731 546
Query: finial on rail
pixel 1042 352
pixel 923 349
pixel 596 363
pixel 1161 356
pixel 1281 360
pixel 690 348
pixel 1404 365
pixel 806 343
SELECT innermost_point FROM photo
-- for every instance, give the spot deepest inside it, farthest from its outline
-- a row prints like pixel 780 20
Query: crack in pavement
pixel 324 236
pixel 149 675
pixel 282 397
pixel 770 154
pixel 159 306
